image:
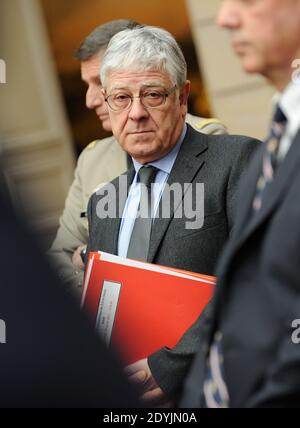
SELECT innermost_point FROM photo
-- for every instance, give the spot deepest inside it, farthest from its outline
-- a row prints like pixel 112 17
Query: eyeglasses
pixel 151 98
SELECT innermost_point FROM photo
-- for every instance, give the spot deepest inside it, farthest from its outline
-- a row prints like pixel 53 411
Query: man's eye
pixel 121 97
pixel 153 95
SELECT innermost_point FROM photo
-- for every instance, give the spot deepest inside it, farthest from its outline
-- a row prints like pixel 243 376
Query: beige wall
pixel 35 139
pixel 241 101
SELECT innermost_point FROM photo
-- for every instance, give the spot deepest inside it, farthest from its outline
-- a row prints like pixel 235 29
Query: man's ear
pixel 184 93
pixel 183 97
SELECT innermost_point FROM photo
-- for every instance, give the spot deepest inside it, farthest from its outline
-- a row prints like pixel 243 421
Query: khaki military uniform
pixel 99 163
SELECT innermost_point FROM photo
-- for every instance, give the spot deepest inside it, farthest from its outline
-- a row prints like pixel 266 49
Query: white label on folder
pixel 107 309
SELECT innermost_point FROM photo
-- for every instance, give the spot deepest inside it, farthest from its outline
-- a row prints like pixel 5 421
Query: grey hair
pixel 100 37
pixel 144 48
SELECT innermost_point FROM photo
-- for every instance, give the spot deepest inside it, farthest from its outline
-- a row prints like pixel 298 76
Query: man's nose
pixel 137 110
pixel 94 98
pixel 228 15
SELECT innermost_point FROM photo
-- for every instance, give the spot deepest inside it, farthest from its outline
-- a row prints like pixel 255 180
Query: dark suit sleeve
pixel 177 361
pixel 169 367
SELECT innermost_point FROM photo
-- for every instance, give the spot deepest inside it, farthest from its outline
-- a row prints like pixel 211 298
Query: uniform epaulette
pixel 206 122
pixel 92 144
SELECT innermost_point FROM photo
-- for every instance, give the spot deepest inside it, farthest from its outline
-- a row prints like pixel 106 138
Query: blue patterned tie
pixel 270 158
pixel 215 390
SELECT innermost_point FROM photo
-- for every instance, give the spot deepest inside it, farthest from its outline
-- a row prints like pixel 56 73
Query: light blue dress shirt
pixel 164 166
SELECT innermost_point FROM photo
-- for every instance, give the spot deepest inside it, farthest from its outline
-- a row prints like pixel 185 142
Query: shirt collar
pixel 166 163
pixel 289 102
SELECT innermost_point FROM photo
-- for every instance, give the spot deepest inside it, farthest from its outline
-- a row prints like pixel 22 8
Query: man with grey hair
pixel 100 162
pixel 143 74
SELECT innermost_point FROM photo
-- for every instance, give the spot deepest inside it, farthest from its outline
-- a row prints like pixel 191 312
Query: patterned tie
pixel 215 390
pixel 140 237
pixel 270 158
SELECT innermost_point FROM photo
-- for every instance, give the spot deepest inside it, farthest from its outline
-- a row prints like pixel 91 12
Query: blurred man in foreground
pixel 251 355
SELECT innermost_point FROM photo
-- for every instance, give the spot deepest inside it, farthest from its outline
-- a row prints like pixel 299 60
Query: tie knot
pixel 279 116
pixel 147 175
pixel 278 125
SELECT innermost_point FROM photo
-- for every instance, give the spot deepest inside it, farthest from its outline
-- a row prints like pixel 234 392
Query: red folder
pixel 140 307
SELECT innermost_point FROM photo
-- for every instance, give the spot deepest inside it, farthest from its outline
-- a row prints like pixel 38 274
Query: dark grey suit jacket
pixel 258 295
pixel 218 162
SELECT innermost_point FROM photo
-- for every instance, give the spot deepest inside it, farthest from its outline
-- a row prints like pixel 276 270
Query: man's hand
pixel 76 257
pixel 151 394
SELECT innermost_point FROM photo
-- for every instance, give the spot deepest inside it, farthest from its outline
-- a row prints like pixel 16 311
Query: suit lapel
pixel 275 192
pixel 185 168
pixel 247 191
